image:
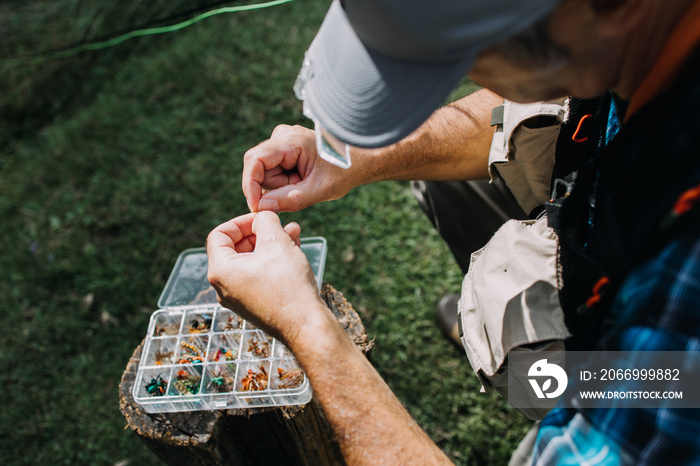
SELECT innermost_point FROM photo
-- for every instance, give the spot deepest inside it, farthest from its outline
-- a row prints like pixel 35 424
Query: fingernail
pixel 268 204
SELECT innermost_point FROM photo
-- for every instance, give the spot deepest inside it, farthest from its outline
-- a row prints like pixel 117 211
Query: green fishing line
pixel 152 31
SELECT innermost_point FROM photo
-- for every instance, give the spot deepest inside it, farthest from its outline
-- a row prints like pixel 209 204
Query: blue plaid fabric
pixel 656 309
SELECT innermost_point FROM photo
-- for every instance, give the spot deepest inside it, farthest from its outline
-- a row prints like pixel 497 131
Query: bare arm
pixel 274 287
pixel 370 423
pixel 452 145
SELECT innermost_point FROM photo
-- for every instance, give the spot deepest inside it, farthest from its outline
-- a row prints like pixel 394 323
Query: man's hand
pixel 259 271
pixel 285 173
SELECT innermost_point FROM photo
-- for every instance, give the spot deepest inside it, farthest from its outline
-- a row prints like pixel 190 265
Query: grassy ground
pixel 112 162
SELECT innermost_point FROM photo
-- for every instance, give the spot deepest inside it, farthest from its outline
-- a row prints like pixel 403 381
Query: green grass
pixel 113 162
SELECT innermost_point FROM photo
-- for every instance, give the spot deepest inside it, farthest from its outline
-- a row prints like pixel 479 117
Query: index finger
pixel 229 235
pixel 253 177
pixel 258 161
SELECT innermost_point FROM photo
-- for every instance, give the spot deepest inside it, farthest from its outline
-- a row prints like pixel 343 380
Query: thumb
pixel 290 198
pixel 268 231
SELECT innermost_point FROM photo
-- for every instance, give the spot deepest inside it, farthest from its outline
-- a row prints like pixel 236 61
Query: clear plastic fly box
pixel 199 355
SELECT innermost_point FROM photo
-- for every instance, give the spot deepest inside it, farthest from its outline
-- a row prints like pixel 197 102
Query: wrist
pixel 320 335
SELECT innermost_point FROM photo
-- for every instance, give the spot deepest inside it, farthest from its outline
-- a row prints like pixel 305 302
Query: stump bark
pixel 294 435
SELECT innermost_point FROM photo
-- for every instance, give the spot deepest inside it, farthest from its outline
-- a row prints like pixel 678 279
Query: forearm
pixel 370 423
pixel 453 144
pixel 257 268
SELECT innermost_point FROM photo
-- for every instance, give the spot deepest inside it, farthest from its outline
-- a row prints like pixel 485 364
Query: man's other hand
pixel 286 174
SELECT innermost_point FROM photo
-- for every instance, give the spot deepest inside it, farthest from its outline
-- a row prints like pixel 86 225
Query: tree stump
pixel 295 435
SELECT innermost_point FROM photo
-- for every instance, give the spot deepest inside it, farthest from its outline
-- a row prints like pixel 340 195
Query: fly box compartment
pixel 198 355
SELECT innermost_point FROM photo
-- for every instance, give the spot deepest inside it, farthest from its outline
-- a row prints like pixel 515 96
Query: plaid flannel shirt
pixel 656 309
